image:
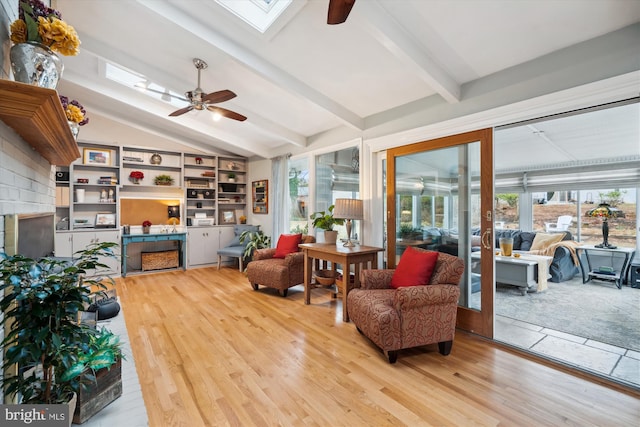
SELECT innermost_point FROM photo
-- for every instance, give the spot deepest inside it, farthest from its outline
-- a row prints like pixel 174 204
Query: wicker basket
pixel 326 277
pixel 159 260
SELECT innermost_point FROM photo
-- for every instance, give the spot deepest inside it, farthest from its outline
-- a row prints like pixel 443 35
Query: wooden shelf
pixel 36 114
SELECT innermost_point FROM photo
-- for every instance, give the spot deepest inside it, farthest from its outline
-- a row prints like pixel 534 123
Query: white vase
pixel 35 64
pixel 79 195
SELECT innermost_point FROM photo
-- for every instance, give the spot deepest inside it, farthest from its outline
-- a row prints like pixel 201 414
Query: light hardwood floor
pixel 210 351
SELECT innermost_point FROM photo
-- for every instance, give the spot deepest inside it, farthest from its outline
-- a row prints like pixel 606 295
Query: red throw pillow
pixel 415 268
pixel 287 244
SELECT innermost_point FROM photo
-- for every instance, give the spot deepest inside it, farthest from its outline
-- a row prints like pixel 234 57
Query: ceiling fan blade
pixel 339 11
pixel 181 111
pixel 219 96
pixel 163 93
pixel 227 113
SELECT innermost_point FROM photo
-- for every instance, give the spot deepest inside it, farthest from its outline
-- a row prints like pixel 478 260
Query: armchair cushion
pixel 287 243
pixel 415 268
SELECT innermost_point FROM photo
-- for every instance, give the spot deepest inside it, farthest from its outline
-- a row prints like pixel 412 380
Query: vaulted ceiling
pixel 303 78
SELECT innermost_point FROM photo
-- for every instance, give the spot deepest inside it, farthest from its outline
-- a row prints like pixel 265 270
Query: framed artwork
pixel 97 156
pixel 260 193
pixel 229 217
pixel 105 220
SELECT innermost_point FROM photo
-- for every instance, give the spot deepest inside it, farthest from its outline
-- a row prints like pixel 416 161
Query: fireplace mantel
pixel 36 114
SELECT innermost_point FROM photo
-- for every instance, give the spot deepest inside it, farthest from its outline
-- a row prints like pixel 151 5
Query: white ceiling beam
pixel 244 56
pixel 390 34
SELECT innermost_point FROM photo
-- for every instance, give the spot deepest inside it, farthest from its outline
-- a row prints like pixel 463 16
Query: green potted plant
pixel 231 177
pixel 100 361
pixel 325 220
pixel 255 240
pixel 45 344
pixel 163 180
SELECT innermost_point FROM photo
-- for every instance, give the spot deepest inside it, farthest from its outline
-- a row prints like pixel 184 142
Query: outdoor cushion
pixel 523 241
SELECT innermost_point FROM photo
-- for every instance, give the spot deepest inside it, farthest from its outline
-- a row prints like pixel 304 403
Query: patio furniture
pixel 563 223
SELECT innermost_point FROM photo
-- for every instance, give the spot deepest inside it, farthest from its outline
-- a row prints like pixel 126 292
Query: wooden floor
pixel 210 351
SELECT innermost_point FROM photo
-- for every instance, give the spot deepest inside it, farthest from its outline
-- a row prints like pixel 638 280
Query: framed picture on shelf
pixel 97 156
pixel 228 217
pixel 105 220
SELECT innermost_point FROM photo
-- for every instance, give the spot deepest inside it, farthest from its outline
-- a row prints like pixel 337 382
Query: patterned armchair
pixel 407 317
pixel 278 273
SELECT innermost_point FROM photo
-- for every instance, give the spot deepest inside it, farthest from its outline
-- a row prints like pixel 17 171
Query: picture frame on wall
pixel 260 195
pixel 96 156
pixel 229 217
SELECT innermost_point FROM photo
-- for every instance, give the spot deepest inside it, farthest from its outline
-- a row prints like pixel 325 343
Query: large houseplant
pixel 46 347
pixel 325 220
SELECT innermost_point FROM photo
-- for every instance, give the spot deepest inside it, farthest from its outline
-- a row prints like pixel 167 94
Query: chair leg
pixel 219 261
pixel 283 292
pixel 241 269
pixel 392 355
pixel 445 347
pixel 254 286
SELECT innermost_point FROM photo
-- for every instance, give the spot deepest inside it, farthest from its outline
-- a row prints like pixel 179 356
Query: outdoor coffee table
pixel 528 272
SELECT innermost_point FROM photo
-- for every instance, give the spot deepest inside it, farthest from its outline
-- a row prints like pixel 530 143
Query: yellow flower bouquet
pixel 41 24
pixel 74 111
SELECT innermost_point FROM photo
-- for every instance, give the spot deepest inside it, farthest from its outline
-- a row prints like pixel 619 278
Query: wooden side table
pixel 361 257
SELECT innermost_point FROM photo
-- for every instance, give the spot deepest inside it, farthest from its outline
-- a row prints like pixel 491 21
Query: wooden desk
pixel 361 257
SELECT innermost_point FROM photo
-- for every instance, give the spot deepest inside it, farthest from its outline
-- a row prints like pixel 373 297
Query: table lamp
pixel 348 209
pixel 605 212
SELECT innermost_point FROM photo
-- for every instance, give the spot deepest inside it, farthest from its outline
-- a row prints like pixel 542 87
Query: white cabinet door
pixel 82 239
pixel 202 245
pixel 226 236
pixel 63 245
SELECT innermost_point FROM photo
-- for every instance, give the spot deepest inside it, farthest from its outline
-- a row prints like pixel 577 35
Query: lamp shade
pixel 348 209
pixel 605 211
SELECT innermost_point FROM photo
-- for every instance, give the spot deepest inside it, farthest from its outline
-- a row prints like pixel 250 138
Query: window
pixel 338 176
pixel 299 195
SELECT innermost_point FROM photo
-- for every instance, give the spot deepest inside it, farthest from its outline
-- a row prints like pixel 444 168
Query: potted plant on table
pixel 325 220
pixel 45 344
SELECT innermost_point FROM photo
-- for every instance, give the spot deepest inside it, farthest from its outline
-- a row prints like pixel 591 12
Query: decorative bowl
pixel 326 277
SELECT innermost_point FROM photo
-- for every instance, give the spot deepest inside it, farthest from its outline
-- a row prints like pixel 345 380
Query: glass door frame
pixel 477 321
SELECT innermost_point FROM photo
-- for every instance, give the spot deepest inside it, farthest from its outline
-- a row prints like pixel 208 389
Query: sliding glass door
pixel 440 197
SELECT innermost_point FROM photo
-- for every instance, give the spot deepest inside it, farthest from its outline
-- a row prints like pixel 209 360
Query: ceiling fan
pixel 199 100
pixel 339 11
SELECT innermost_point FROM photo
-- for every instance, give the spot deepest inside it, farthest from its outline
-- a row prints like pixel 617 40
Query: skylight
pixel 135 80
pixel 260 14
